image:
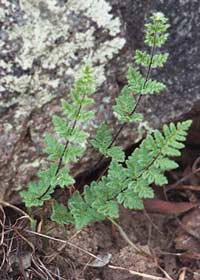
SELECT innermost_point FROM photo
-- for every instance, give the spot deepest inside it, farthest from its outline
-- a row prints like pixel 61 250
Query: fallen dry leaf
pixel 167 207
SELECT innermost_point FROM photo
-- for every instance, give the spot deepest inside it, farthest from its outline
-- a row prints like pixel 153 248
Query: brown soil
pixel 171 242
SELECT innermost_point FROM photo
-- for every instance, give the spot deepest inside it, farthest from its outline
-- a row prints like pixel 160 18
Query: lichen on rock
pixel 54 38
pixel 43 45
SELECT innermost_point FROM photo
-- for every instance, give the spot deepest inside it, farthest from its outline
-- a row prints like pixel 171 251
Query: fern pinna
pixel 127 182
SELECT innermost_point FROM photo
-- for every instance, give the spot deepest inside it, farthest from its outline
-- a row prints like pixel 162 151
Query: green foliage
pixel 156 34
pixel 60 214
pixel 116 153
pixel 152 156
pixel 63 178
pixel 143 58
pixel 125 104
pixel 36 194
pixel 33 197
pixel 130 200
pixel 73 153
pixel 137 83
pixel 53 148
pixel 69 131
pixel 127 181
pixel 82 213
pixel 103 139
pixel 131 184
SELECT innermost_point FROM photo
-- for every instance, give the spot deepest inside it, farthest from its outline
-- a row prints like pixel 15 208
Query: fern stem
pixel 127 239
pixel 137 102
pixel 140 95
pixel 66 145
pixel 146 167
pixel 72 129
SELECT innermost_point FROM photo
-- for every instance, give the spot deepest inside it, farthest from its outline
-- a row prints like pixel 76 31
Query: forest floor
pixel 160 245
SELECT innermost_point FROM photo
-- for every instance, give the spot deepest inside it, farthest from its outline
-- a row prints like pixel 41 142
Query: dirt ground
pixel 168 243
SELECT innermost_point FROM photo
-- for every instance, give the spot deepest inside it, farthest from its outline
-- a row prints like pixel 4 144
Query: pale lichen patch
pixel 58 39
pixel 107 50
pixel 99 12
pixel 44 43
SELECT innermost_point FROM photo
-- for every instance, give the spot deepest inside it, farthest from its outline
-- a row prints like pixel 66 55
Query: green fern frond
pixel 156 34
pixel 144 59
pixel 69 129
pixel 116 153
pixel 136 81
pixel 137 84
pixel 60 214
pixel 152 87
pixel 154 151
pixel 124 107
pixel 63 179
pixel 61 127
pixel 130 200
pixel 53 148
pixel 127 181
pixel 73 153
pixel 82 213
pixel 102 139
pixel 37 192
pixel 130 185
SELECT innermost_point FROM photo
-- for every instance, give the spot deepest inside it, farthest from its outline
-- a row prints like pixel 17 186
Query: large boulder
pixel 42 45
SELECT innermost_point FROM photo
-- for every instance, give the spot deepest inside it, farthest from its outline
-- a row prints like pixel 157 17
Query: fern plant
pixel 128 181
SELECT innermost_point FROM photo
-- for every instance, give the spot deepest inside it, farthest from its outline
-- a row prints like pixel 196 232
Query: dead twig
pixel 63 241
pixel 188 231
pixel 7 204
pixel 164 272
pixel 195 170
pixel 51 257
pixel 184 187
pixel 133 272
pixel 182 273
pixel 127 239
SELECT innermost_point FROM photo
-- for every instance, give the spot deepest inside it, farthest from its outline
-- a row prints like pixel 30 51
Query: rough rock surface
pixel 44 42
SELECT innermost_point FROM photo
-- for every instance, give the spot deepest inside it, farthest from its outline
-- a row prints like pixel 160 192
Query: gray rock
pixel 44 43
pixel 181 73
